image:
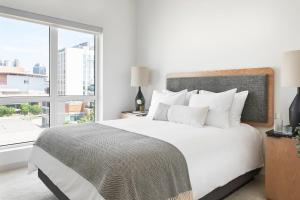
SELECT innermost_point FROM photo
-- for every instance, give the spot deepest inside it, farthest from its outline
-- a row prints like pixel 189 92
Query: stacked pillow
pixel 170 98
pixel 219 105
pixel 187 95
pixel 181 114
pixel 238 103
pixel 174 98
pixel 221 110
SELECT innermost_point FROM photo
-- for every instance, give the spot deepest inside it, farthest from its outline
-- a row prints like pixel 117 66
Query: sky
pixel 29 42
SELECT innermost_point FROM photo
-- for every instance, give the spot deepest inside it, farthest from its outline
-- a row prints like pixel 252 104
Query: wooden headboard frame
pixel 269 72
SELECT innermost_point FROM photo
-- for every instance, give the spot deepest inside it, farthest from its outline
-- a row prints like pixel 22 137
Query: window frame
pixel 54 98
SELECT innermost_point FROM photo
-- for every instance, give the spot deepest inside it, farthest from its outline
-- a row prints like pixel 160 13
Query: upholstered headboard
pixel 259 106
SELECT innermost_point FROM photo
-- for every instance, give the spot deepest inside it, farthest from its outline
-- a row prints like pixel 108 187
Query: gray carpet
pixel 18 185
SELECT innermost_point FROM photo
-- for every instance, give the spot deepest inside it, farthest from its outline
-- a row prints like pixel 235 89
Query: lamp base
pixel 294 111
pixel 140 101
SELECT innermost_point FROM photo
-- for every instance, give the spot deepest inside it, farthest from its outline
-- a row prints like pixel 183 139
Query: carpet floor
pixel 18 185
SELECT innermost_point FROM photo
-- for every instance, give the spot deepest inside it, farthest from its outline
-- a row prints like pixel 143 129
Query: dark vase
pixel 140 101
pixel 294 113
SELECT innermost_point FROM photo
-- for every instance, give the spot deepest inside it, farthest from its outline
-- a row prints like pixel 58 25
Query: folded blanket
pixel 121 165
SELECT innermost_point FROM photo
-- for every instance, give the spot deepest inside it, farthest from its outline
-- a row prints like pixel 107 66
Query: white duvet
pixel 214 156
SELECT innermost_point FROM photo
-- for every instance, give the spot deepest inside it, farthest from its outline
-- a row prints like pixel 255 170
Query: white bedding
pixel 214 156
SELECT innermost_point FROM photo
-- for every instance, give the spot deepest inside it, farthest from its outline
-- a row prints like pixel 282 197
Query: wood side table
pixel 282 169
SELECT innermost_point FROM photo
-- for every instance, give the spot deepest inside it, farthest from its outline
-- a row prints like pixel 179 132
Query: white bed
pixel 214 156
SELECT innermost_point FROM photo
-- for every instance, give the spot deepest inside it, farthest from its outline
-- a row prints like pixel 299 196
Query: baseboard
pixel 12 166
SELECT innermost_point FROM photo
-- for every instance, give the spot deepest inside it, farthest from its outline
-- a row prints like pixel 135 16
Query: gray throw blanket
pixel 120 164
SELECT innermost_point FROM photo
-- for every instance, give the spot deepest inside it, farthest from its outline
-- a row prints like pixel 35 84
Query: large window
pixel 47 78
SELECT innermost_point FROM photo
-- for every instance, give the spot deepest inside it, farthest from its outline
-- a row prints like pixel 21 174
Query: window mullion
pixel 53 39
pixel 98 78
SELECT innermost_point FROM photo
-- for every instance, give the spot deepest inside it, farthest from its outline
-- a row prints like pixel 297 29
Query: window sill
pixel 14 147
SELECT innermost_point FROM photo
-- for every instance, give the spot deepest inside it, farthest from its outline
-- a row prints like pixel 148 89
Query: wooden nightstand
pixel 282 169
pixel 131 114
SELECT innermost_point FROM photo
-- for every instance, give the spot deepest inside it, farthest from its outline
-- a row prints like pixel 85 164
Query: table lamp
pixel 290 75
pixel 140 77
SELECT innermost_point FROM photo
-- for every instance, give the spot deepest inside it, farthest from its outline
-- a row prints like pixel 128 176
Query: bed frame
pixel 217 194
pixel 260 84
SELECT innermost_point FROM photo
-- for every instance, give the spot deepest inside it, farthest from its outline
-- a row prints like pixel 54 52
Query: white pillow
pixel 188 115
pixel 187 97
pixel 219 105
pixel 237 107
pixel 161 113
pixel 166 98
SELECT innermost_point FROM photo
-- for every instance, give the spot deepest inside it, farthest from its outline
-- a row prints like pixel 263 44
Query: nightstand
pixel 132 114
pixel 282 169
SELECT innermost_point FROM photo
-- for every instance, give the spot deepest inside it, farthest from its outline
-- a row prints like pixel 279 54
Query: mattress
pixel 214 156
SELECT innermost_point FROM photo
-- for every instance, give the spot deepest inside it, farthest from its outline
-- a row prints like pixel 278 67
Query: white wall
pixel 118 21
pixel 14 159
pixel 191 35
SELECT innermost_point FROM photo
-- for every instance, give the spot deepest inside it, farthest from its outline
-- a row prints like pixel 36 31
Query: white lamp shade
pixel 290 70
pixel 140 76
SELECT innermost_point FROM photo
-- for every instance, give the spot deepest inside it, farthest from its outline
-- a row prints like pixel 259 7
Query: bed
pixel 219 161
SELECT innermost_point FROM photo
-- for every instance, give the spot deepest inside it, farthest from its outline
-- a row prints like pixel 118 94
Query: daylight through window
pixel 47 78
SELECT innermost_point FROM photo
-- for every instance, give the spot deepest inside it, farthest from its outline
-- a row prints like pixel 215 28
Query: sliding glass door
pixel 48 77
